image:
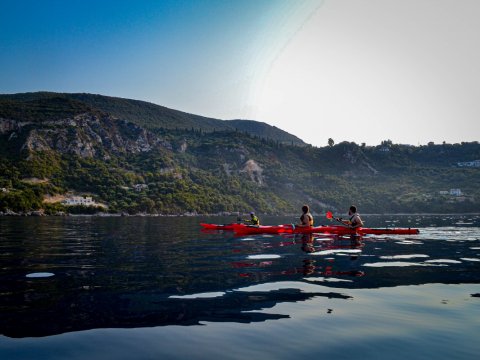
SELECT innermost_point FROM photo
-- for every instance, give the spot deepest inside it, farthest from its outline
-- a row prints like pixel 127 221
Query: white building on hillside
pixel 79 200
pixel 456 192
pixel 140 187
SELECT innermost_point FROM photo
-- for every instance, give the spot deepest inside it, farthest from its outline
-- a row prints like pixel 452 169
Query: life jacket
pixel 310 219
pixel 354 216
pixel 254 220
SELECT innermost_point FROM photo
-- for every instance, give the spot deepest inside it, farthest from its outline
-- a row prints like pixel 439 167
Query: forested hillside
pixel 53 148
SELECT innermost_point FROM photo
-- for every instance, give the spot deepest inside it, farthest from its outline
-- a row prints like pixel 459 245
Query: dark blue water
pixel 149 288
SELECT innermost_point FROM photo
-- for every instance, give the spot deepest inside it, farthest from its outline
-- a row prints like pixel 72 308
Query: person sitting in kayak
pixel 355 219
pixel 254 220
pixel 306 219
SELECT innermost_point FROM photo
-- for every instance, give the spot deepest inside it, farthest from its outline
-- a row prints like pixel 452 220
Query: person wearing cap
pixel 254 220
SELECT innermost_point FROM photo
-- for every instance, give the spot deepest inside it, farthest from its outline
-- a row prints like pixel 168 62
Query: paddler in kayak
pixel 254 220
pixel 355 221
pixel 306 219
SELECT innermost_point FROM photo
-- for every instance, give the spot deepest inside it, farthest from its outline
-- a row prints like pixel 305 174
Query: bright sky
pixel 355 70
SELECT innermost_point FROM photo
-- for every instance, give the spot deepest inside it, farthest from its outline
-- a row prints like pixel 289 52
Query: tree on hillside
pixel 331 142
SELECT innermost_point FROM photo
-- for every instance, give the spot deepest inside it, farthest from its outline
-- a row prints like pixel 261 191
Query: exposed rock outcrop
pixel 85 135
pixel 359 159
pixel 254 171
pixel 183 146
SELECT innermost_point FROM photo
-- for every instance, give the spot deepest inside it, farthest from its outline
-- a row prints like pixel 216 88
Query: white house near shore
pixel 80 200
pixel 474 163
pixel 452 192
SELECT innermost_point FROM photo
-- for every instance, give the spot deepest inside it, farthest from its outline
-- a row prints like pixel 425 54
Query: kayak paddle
pixel 330 217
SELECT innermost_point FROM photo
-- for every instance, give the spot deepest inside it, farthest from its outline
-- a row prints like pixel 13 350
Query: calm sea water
pixel 151 288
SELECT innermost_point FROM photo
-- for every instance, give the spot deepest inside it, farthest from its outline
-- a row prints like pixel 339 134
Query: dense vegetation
pixel 232 170
pixel 39 110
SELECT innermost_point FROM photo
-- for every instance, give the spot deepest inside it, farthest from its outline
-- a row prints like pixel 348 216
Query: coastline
pixel 40 213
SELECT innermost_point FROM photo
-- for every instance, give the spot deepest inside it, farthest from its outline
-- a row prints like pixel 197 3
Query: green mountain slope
pixel 60 146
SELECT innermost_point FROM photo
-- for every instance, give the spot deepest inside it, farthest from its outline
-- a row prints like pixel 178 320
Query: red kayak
pixel 251 229
pixel 331 229
pixel 262 229
pixel 286 228
pixel 228 227
pixel 386 231
pixel 290 229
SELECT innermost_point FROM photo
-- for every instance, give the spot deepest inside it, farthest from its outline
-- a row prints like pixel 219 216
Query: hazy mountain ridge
pixel 145 114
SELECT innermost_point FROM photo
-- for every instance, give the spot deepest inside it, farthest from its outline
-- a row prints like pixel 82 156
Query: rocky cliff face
pixel 85 135
pixel 8 126
pixel 361 164
pixel 254 171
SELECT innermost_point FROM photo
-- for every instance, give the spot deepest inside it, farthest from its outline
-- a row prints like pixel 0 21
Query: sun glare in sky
pixel 367 71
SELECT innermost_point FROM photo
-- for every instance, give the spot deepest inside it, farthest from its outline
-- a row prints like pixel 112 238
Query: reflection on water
pixel 61 275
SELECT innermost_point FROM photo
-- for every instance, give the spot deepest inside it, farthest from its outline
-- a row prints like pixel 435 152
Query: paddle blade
pixel 329 215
